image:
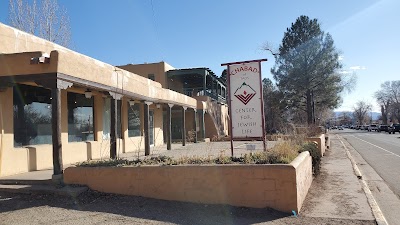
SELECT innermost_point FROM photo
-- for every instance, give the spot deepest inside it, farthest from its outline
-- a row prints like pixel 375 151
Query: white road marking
pixel 378 214
pixel 377 146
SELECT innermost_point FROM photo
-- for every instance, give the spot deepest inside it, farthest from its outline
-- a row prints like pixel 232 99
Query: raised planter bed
pixel 320 141
pixel 279 186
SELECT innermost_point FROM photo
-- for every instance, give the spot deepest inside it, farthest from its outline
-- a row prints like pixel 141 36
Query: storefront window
pixel 107 119
pixel 80 118
pixel 32 115
pixel 134 121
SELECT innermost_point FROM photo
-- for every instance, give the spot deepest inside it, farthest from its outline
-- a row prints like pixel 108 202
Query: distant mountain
pixel 375 115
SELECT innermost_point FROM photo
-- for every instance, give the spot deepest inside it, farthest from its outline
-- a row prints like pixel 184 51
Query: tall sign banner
pixel 246 101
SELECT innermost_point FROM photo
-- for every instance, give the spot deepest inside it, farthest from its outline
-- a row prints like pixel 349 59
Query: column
pixel 169 131
pixel 56 131
pixel 146 128
pixel 183 125
pixel 56 88
pixel 114 121
pixel 113 129
pixel 195 126
pixel 203 126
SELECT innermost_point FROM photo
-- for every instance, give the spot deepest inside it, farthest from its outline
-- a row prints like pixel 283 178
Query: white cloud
pixel 358 67
pixel 345 72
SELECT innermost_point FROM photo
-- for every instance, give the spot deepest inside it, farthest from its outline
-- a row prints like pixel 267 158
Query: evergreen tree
pixel 306 68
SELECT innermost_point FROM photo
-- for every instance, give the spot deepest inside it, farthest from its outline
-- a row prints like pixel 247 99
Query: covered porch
pixel 64 107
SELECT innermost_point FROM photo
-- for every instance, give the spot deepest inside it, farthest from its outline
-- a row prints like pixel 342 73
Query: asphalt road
pixel 380 150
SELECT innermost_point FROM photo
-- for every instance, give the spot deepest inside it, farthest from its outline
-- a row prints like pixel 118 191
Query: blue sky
pixel 207 33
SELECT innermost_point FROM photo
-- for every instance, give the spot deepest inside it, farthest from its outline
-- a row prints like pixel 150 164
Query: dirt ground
pixel 99 208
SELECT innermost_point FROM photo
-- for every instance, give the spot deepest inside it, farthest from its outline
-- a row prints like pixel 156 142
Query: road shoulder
pixel 387 200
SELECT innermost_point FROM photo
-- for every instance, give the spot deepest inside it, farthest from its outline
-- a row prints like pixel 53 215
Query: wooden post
pixel 56 87
pixel 146 128
pixel 56 131
pixel 203 126
pixel 113 131
pixel 114 122
pixel 195 125
pixel 169 132
pixel 184 125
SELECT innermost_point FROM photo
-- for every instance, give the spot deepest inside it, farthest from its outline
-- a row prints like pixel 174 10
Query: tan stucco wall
pixel 13 160
pixel 327 141
pixel 304 176
pixel 14 40
pixel 211 130
pixel 320 141
pixel 282 187
pixel 205 103
pixel 158 69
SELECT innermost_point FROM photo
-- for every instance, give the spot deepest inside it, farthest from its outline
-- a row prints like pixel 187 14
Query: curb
pixel 376 211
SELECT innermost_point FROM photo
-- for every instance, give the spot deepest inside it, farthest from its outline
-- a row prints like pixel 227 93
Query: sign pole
pixel 262 111
pixel 230 110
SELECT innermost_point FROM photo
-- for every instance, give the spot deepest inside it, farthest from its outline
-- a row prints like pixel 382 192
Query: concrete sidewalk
pixel 337 192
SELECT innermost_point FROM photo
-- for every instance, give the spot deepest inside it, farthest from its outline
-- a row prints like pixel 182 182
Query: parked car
pixel 372 127
pixel 392 129
pixel 383 127
pixel 340 128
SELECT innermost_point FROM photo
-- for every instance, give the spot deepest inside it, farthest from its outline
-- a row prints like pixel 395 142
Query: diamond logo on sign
pixel 245 93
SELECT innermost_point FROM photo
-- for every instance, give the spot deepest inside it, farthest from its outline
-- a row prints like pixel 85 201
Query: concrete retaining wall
pixel 282 187
pixel 327 141
pixel 321 142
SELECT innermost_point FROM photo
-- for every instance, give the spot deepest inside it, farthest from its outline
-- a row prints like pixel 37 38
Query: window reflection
pixel 80 118
pixel 134 121
pixel 107 118
pixel 32 115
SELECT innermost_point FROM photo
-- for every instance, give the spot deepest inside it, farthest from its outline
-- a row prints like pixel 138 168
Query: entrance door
pixel 151 127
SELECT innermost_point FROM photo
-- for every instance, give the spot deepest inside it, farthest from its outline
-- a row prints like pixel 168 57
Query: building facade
pixel 59 107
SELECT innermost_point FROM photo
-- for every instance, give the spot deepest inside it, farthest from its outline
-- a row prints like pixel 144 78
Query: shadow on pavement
pixel 145 208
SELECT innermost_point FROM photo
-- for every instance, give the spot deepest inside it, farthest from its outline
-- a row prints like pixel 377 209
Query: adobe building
pixel 199 83
pixel 59 107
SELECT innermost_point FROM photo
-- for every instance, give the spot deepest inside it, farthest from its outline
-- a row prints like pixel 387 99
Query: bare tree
pixel 383 98
pixel 47 20
pixel 388 98
pixel 361 110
